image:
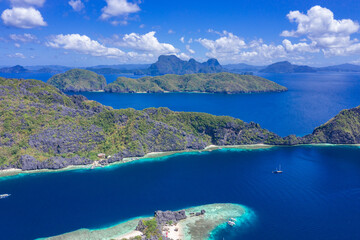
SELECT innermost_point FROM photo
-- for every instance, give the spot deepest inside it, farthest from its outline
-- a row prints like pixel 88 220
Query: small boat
pixel 231 223
pixel 4 195
pixel 278 171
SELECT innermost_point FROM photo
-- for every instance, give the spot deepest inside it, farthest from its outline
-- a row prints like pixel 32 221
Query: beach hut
pixel 101 155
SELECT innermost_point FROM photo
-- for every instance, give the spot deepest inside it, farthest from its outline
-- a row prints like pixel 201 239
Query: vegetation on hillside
pixel 78 80
pixel 38 120
pixel 201 82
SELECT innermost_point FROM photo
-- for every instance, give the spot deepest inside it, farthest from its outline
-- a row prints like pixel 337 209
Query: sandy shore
pixel 193 227
pixel 151 155
pixel 129 235
pixel 14 171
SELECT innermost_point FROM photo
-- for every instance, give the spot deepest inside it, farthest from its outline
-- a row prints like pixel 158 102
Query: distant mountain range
pixel 286 67
pixel 170 64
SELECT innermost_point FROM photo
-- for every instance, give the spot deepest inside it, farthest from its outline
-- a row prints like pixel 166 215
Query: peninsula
pixel 223 82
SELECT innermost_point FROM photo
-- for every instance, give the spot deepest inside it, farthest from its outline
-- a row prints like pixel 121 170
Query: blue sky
pixel 93 32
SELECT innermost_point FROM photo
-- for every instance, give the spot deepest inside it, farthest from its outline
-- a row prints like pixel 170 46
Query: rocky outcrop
pixel 169 216
pixel 174 65
pixel 27 162
pixel 67 139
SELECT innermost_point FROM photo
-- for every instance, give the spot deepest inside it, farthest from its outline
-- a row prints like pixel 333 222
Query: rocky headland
pixel 43 128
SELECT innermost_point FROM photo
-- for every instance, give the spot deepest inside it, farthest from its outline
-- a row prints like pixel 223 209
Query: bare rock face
pixel 27 162
pixel 67 139
pixel 164 217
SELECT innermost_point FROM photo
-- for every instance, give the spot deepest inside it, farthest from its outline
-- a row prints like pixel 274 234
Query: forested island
pixel 199 82
pixel 78 80
pixel 43 128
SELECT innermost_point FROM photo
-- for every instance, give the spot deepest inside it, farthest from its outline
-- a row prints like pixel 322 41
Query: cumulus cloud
pixel 231 48
pixel 182 39
pixel 16 55
pixel 145 43
pixel 116 8
pixel 229 43
pixel 301 47
pixel 326 33
pixel 83 44
pixel 26 37
pixel 77 5
pixel 23 17
pixel 143 48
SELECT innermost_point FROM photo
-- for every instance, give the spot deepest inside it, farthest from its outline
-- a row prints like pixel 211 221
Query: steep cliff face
pixel 78 80
pixel 41 127
pixel 174 65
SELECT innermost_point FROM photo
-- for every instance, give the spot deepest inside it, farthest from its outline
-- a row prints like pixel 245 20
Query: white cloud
pixel 16 55
pixel 116 8
pixel 301 47
pixel 189 49
pixel 182 39
pixel 225 45
pixel 144 43
pixel 231 48
pixel 171 31
pixel 142 48
pixel 77 5
pixel 26 37
pixel 331 36
pixel 27 3
pixel 23 17
pixel 83 44
pixel 17 45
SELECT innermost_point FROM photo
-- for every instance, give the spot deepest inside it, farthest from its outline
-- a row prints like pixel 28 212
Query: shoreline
pixel 153 155
pixel 193 227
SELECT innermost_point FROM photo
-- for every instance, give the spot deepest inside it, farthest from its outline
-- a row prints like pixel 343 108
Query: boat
pixel 231 223
pixel 278 170
pixel 4 195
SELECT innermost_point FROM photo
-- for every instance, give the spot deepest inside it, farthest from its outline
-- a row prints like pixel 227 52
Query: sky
pixel 101 32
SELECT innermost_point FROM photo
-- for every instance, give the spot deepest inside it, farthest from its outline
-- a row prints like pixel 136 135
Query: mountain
pixel 174 65
pixel 15 69
pixel 78 80
pixel 287 67
pixel 347 67
pixel 243 67
pixel 199 82
pixel 42 128
pixel 344 128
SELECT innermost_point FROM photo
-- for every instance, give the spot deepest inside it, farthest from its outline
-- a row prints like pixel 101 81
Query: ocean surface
pixel 317 196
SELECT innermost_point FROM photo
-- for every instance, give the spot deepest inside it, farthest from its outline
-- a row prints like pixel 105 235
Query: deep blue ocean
pixel 317 197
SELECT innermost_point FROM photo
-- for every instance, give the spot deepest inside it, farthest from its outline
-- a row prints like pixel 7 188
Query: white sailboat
pixel 278 170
